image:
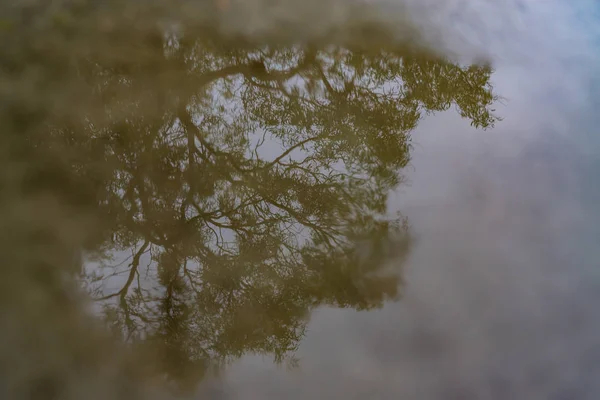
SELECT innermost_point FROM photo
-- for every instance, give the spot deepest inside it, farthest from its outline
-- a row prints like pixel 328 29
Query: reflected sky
pixel 327 201
pixel 501 284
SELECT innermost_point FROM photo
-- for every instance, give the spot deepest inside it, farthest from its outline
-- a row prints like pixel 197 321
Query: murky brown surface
pixel 334 200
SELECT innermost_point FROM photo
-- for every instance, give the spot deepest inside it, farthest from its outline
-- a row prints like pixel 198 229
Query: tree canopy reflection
pixel 248 181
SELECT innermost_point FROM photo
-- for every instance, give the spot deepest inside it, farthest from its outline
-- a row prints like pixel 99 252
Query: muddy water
pixel 274 201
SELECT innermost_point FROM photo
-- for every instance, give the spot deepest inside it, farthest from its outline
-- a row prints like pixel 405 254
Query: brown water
pixel 286 200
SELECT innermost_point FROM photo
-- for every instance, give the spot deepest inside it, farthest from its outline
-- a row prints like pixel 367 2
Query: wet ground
pixel 391 204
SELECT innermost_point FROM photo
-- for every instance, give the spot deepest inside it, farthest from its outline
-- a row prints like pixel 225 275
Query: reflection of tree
pixel 175 140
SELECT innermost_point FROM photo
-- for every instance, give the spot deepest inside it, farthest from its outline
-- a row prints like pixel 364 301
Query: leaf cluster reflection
pixel 248 180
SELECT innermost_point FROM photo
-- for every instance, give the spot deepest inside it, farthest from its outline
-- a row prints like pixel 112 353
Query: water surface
pixel 399 201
